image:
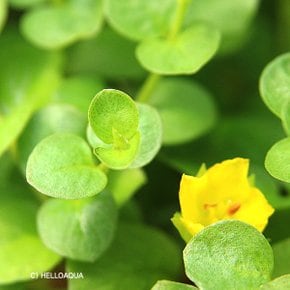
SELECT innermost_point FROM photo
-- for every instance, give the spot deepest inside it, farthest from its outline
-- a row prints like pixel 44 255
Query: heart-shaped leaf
pixel 228 255
pixel 185 54
pixel 78 229
pixel 62 166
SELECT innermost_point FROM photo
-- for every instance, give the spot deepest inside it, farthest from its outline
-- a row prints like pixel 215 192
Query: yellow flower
pixel 221 192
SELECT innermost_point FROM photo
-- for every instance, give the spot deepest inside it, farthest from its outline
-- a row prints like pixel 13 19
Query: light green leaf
pixel 3 13
pixel 140 19
pixel 277 160
pixel 220 14
pixel 28 80
pixel 54 118
pixel 113 113
pixel 281 252
pixel 79 229
pixel 186 109
pixel 186 54
pixel 119 156
pixel 123 184
pixel 228 255
pixel 150 128
pixel 57 26
pixel 281 283
pixel 62 166
pixel 275 85
pixel 169 285
pixel 24 3
pixel 130 263
pixel 78 91
pixel 108 55
pixel 21 250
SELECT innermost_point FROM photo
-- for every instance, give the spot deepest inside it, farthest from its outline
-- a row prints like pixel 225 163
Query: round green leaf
pixel 277 160
pixel 61 166
pixel 113 114
pixel 79 229
pixel 21 250
pixel 59 26
pixel 130 263
pixel 220 14
pixel 281 283
pixel 169 285
pixel 281 252
pixel 186 54
pixel 186 109
pixel 150 128
pixel 275 84
pixel 55 118
pixel 228 255
pixel 140 19
pixel 108 55
pixel 119 156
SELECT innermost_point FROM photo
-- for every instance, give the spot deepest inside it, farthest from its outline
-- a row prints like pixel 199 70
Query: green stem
pixel 153 78
pixel 178 21
pixel 148 87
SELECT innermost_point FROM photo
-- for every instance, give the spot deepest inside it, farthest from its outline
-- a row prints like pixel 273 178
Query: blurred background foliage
pixel 79 63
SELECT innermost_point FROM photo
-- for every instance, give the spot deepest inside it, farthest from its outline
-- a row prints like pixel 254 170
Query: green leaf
pixel 21 250
pixel 79 229
pixel 57 26
pixel 130 263
pixel 3 13
pixel 29 79
pixel 277 160
pixel 220 14
pixel 78 91
pixel 169 285
pixel 281 252
pixel 274 84
pixel 108 55
pixel 281 283
pixel 186 109
pixel 121 155
pixel 228 255
pixel 113 113
pixel 54 118
pixel 150 128
pixel 140 19
pixel 123 184
pixel 62 166
pixel 186 54
pixel 21 4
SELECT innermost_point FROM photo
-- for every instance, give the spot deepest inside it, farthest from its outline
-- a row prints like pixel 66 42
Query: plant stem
pixel 179 17
pixel 148 87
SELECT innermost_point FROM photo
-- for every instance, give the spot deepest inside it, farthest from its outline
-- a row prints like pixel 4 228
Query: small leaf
pixel 119 157
pixel 113 111
pixel 281 283
pixel 123 184
pixel 281 252
pixel 186 54
pixel 55 27
pixel 62 166
pixel 150 128
pixel 277 160
pixel 169 285
pixel 228 255
pixel 21 250
pixel 140 19
pixel 130 263
pixel 275 85
pixel 79 229
pixel 186 109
